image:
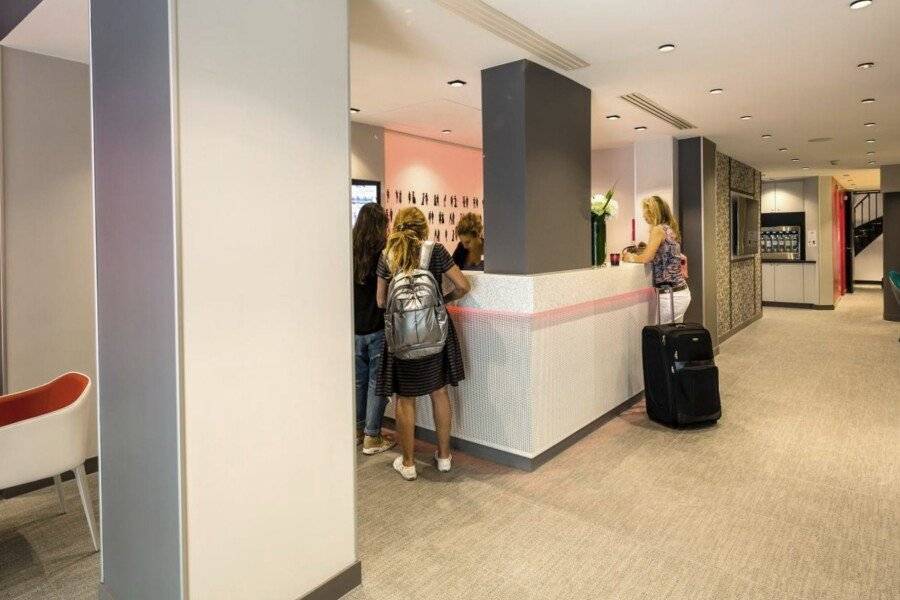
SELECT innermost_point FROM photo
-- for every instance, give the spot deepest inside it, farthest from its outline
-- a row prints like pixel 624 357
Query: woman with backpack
pixel 369 238
pixel 663 252
pixel 422 354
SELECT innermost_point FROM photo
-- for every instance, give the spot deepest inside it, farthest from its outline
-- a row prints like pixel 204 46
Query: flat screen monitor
pixel 363 192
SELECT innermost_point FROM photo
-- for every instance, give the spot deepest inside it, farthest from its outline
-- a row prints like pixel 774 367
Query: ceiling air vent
pixel 489 18
pixel 647 105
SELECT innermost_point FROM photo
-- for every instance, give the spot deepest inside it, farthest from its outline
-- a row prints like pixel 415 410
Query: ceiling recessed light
pixel 870 124
pixel 782 149
pixel 666 48
pixel 767 136
pixel 806 168
pixel 640 128
pixel 867 100
pixel 716 91
pixel 746 117
pixel 795 160
pixel 870 141
pixel 858 4
pixel 865 65
pixel 870 153
pixel 872 162
pixel 613 117
pixel 354 110
pixel 445 131
pixel 456 83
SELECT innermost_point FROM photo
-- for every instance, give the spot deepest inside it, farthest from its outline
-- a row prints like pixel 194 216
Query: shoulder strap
pixel 425 255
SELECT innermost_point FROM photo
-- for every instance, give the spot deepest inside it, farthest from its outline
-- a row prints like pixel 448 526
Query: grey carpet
pixel 794 495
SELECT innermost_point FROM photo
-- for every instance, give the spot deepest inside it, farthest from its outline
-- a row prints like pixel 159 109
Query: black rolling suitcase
pixel 681 380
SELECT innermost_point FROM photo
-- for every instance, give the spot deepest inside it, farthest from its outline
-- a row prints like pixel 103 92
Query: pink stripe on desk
pixel 608 303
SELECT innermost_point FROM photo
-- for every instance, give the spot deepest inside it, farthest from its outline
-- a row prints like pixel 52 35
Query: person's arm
pixel 648 253
pixel 381 293
pixel 461 285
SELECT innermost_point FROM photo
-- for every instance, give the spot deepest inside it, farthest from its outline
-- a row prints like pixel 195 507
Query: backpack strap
pixel 425 254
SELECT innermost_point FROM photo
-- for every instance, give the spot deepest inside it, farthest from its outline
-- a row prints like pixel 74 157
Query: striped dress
pixel 667 262
pixel 422 376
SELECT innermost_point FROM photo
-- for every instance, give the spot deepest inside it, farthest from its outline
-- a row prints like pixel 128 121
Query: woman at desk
pixel 663 252
pixel 469 253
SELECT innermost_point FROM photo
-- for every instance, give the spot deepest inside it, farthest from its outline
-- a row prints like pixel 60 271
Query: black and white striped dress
pixel 422 376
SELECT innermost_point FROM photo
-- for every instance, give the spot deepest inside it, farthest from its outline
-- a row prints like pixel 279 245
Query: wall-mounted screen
pixel 363 192
pixel 744 225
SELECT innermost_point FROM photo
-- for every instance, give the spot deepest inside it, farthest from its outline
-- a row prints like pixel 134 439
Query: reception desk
pixel 547 357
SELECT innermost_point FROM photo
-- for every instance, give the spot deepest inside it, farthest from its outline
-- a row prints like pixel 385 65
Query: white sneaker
pixel 443 464
pixel 408 473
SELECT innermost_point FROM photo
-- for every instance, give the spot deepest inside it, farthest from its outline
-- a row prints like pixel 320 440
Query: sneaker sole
pixel 378 450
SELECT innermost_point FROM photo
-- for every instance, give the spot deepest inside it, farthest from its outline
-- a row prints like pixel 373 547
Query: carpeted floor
pixel 793 495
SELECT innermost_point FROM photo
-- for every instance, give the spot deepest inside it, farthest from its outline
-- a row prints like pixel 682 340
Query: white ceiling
pixel 790 64
pixel 59 28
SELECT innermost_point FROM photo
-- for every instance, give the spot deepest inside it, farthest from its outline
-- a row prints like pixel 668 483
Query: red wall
pixel 838 240
pixel 423 166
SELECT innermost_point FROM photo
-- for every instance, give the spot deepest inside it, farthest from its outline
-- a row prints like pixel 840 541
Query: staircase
pixel 868 219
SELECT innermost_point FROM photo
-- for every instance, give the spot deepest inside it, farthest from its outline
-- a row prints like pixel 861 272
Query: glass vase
pixel 598 240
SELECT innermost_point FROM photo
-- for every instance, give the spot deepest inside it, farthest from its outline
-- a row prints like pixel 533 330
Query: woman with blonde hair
pixel 429 376
pixel 663 252
pixel 469 253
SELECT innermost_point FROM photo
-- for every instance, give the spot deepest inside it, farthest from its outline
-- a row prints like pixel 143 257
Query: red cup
pixel 614 259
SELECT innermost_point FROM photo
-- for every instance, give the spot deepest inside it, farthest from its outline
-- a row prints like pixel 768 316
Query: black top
pixel 459 257
pixel 367 317
pixel 440 264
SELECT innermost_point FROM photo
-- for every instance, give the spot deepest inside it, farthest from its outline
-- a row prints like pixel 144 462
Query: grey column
pixel 890 187
pixel 697 207
pixel 137 300
pixel 537 169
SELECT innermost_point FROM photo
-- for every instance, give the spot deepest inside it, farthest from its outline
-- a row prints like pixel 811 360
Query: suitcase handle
pixel 659 292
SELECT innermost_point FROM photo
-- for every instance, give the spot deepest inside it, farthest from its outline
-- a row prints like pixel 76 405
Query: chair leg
pixel 85 493
pixel 57 483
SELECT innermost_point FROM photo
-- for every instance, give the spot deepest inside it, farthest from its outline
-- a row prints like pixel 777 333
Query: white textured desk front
pixel 547 354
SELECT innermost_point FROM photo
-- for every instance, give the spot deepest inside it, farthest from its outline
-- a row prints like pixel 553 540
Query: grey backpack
pixel 415 316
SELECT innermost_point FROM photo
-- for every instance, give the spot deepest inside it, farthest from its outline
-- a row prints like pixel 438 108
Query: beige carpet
pixel 795 494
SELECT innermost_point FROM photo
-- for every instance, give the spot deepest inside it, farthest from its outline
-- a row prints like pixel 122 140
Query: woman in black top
pixel 469 253
pixel 369 237
pixel 426 376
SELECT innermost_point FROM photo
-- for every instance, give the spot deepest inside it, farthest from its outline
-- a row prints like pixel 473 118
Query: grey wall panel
pixel 367 152
pixel 537 169
pixel 12 12
pixel 503 133
pixel 137 302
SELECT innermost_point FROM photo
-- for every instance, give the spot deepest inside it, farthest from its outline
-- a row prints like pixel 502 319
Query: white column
pixel 654 175
pixel 254 208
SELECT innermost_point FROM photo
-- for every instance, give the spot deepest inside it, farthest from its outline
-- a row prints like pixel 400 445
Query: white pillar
pixel 654 175
pixel 224 280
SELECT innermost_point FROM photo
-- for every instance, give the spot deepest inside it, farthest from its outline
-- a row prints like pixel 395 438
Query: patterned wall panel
pixel 723 250
pixel 738 284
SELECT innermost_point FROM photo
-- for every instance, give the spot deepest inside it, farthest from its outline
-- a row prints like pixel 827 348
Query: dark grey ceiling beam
pixel 12 12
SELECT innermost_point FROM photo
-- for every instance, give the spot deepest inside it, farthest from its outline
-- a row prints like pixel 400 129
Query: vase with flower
pixel 603 206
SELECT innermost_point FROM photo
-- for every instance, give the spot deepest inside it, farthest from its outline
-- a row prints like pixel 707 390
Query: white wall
pixel 264 140
pixel 868 265
pixel 654 175
pixel 615 167
pixel 366 152
pixel 48 230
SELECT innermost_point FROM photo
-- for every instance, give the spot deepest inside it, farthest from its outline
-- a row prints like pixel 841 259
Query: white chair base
pixel 86 501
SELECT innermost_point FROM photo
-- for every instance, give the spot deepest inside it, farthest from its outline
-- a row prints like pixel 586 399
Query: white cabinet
pixel 768 197
pixel 768 282
pixel 789 196
pixel 810 284
pixel 796 283
pixel 782 196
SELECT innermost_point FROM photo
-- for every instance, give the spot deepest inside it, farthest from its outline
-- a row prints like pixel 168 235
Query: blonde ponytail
pixel 404 244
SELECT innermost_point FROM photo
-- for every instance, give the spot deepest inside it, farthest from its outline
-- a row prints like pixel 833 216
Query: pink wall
pixel 421 166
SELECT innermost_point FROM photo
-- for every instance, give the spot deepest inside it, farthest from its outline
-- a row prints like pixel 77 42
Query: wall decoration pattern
pixel 738 283
pixel 444 181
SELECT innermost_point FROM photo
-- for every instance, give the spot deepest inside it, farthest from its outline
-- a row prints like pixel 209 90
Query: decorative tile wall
pixel 738 284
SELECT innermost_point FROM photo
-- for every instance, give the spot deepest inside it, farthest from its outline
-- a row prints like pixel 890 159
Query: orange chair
pixel 44 432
